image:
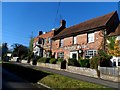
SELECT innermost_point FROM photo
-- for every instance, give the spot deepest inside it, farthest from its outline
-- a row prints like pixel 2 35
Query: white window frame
pixel 60 55
pixel 49 40
pixel 90 37
pixel 61 42
pixel 91 53
pixel 74 40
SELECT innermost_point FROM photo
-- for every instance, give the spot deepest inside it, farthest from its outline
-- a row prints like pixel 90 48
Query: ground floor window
pixel 60 55
pixel 90 53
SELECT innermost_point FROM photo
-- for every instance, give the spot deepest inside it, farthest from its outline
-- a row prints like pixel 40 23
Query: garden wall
pixel 82 71
pixel 48 65
pixel 112 74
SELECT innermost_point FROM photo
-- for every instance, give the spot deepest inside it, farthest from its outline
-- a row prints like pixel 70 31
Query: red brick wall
pixel 81 39
pixel 68 41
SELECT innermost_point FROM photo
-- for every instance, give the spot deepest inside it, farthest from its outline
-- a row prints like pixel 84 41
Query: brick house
pixel 42 45
pixel 84 39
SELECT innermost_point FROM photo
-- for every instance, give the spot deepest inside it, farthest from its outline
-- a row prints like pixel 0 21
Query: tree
pixel 116 50
pixel 31 44
pixel 20 50
pixel 4 49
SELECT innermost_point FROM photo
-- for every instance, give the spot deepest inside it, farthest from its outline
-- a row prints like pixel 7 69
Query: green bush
pixel 59 60
pixel 53 61
pixel 72 62
pixel 94 62
pixel 84 62
pixel 104 59
pixel 42 60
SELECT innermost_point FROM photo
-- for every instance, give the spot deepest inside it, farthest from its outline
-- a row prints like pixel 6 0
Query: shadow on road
pixel 28 74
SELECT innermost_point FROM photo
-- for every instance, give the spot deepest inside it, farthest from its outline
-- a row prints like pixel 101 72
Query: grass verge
pixel 52 80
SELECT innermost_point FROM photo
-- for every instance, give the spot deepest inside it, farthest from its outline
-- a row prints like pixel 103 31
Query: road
pixel 11 81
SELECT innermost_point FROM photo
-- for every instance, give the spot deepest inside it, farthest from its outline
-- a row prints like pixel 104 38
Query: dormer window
pixel 90 37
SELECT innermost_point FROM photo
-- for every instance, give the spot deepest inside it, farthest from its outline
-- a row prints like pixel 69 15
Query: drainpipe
pixel 104 39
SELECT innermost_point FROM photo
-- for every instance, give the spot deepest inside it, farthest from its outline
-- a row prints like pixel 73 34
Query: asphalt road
pixel 11 81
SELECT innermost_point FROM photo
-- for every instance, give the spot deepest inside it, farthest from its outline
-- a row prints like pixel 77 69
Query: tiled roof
pixel 99 22
pixel 116 32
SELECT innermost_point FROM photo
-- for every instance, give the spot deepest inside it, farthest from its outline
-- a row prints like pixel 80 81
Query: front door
pixel 74 55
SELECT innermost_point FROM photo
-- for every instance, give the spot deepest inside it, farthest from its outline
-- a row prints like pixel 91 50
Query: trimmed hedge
pixel 73 62
pixel 60 60
pixel 94 62
pixel 84 62
pixel 44 60
pixel 53 61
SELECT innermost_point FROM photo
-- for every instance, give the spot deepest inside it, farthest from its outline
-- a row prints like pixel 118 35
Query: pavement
pixel 75 76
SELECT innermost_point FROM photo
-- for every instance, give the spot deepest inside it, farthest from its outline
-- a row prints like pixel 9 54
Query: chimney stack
pixel 40 32
pixel 62 23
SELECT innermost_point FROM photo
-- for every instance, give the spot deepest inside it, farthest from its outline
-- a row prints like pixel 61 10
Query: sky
pixel 22 20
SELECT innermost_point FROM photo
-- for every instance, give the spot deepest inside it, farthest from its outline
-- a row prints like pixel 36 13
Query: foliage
pixel 72 62
pixel 94 62
pixel 4 50
pixel 31 44
pixel 59 60
pixel 84 62
pixel 43 60
pixel 111 43
pixel 53 61
pixel 116 50
pixel 20 50
pixel 102 59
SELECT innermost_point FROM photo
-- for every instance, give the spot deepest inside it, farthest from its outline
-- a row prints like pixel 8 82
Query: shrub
pixel 84 62
pixel 59 60
pixel 104 58
pixel 42 60
pixel 72 62
pixel 94 62
pixel 53 61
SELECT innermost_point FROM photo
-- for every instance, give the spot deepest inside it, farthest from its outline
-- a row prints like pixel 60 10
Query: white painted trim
pixel 74 52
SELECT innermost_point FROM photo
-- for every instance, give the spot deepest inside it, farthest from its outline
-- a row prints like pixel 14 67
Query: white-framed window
pixel 49 40
pixel 61 42
pixel 74 39
pixel 90 53
pixel 90 37
pixel 60 55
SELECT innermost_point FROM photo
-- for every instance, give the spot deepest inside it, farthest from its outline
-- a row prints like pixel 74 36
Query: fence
pixel 113 71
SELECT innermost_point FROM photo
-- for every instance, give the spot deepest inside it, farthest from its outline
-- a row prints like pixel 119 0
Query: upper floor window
pixel 90 37
pixel 49 40
pixel 74 39
pixel 61 42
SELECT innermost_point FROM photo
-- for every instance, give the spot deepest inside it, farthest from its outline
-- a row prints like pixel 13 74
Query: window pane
pixel 90 37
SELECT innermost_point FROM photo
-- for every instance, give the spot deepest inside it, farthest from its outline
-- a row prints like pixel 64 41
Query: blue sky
pixel 20 19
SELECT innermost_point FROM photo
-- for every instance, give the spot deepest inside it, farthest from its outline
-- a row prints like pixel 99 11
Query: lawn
pixel 52 80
